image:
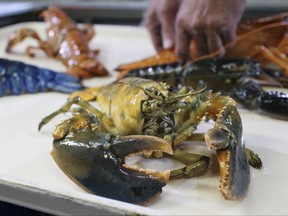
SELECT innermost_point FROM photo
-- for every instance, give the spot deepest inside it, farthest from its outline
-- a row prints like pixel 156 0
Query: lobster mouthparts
pixel 95 161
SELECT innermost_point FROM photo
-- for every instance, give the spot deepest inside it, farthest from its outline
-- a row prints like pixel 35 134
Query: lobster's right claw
pixel 96 162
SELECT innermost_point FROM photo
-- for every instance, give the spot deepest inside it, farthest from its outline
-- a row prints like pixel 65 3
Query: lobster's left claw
pixel 95 161
pixel 274 103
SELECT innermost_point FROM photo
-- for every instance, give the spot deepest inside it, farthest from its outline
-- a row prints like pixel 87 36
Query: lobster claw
pixel 96 161
pixel 274 103
pixel 252 96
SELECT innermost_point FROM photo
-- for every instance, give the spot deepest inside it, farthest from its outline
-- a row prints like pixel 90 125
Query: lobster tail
pixel 18 78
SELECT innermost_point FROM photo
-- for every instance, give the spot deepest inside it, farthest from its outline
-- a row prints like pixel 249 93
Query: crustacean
pixel 146 108
pixel 18 78
pixel 65 41
pixel 239 78
pixel 264 40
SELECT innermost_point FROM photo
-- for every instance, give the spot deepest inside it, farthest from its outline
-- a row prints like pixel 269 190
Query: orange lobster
pixel 263 39
pixel 65 41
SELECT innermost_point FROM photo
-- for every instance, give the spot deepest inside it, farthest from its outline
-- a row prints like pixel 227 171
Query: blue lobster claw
pixel 18 78
pixel 95 160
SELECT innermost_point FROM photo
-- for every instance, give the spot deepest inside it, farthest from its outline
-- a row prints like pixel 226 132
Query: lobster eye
pixel 171 89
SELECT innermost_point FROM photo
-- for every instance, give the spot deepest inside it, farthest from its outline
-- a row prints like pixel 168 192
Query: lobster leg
pixel 251 156
pixel 195 164
pixel 67 107
pixel 24 33
pixel 267 55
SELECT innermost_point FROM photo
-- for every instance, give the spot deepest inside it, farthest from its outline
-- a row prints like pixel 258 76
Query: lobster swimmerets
pixel 65 41
pixel 18 78
pixel 149 108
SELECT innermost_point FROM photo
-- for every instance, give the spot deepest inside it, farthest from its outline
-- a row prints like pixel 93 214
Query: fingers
pixel 175 23
pixel 201 43
pixel 167 32
pixel 228 36
pixel 182 47
pixel 215 43
pixel 167 17
pixel 217 40
pixel 206 42
pixel 154 28
pixel 160 19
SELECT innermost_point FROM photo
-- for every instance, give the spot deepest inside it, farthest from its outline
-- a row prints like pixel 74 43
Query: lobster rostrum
pixel 19 78
pixel 149 110
pixel 65 41
pixel 239 78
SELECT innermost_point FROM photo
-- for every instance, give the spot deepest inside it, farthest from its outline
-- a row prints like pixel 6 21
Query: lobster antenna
pixel 176 97
pixel 150 94
pixel 173 98
pixel 270 80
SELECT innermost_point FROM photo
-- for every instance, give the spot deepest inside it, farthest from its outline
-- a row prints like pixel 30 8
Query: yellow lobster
pixel 137 115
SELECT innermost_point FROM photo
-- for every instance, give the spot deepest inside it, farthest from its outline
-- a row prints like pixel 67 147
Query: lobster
pixel 18 78
pixel 65 41
pixel 137 115
pixel 239 78
pixel 264 40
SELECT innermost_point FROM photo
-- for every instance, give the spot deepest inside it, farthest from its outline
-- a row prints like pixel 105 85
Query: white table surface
pixel 29 176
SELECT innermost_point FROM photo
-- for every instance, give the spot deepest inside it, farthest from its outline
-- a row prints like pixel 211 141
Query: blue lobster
pixel 18 78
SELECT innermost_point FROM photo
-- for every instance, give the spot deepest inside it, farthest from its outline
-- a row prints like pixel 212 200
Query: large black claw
pixel 275 103
pixel 227 140
pixel 95 161
pixel 252 96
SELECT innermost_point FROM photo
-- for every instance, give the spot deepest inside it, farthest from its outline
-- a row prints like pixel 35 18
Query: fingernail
pixel 167 43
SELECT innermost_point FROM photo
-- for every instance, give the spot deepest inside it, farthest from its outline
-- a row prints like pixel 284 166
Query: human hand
pixel 160 22
pixel 211 23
